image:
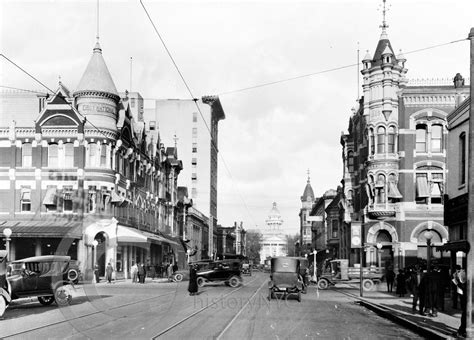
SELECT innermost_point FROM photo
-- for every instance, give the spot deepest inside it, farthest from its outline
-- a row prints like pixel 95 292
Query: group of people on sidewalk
pixel 138 272
pixel 427 289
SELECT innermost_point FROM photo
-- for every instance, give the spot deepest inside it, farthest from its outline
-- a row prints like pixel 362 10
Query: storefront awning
pixel 131 235
pixel 461 245
pixel 43 229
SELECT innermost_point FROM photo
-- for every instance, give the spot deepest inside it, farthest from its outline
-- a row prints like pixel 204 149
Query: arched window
pixel 462 158
pixel 421 134
pixel 372 141
pixel 53 151
pixel 391 139
pixel 380 189
pixel 381 139
pixel 26 155
pixel 68 155
pixel 350 161
pixel 437 138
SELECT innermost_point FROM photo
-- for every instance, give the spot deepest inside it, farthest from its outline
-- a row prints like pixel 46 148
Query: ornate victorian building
pixel 79 176
pixel 395 163
pixel 307 201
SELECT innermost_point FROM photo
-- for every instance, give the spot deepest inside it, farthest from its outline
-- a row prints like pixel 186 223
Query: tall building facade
pixel 196 135
pixel 395 163
pixel 274 242
pixel 78 176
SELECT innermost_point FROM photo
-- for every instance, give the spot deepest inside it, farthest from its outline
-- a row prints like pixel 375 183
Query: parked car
pixel 220 271
pixel 48 278
pixel 285 277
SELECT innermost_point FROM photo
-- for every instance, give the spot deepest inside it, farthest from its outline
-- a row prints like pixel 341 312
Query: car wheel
pixel 62 296
pixel 3 305
pixel 323 284
pixel 200 282
pixel 46 300
pixel 178 277
pixel 234 282
pixel 368 284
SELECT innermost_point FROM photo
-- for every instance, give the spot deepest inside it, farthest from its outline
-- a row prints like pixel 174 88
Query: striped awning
pixel 43 229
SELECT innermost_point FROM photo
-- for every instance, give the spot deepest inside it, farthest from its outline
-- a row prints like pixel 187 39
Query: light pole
pixel 95 243
pixel 315 279
pixel 379 254
pixel 428 236
pixel 7 232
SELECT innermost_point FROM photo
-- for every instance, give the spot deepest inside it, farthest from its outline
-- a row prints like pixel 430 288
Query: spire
pixel 384 25
pixel 308 194
pixel 97 77
pixel 308 176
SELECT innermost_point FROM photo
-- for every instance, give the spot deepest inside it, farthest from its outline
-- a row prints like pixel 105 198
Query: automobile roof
pixel 45 258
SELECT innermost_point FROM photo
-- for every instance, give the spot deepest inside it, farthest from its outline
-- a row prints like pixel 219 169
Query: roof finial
pixel 175 140
pixel 59 78
pixel 385 9
pixel 97 36
pixel 307 171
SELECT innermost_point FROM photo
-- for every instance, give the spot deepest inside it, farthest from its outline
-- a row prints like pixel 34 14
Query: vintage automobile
pixel 220 271
pixel 246 269
pixel 49 278
pixel 5 298
pixel 285 278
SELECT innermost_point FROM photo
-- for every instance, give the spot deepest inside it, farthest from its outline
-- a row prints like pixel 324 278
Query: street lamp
pixel 379 253
pixel 428 236
pixel 315 279
pixel 7 232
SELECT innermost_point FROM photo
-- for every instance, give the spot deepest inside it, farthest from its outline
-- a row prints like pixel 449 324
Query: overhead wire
pixel 196 103
pixel 326 71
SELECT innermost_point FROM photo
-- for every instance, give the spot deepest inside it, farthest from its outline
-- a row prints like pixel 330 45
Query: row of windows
pixel 386 140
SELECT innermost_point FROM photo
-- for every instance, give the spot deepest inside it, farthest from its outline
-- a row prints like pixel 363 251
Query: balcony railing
pixel 381 210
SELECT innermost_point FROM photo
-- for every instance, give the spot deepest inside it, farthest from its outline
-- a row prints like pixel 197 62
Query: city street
pixel 165 310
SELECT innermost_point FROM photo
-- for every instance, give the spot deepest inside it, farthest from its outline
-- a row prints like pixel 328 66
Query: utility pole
pixel 470 204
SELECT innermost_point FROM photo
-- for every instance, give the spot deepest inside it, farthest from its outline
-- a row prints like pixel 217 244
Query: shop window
pixel 26 155
pixel 25 199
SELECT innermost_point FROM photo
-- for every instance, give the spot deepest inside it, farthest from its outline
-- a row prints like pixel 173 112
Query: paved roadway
pixel 166 311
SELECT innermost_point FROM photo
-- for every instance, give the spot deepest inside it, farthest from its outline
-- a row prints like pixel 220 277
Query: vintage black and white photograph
pixel 242 169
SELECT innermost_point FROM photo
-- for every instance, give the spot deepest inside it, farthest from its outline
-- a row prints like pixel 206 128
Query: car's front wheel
pixel 46 300
pixel 3 305
pixel 201 281
pixel 178 277
pixel 62 296
pixel 234 281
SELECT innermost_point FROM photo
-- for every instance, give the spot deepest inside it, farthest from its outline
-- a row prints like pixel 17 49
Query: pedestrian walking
pixel 422 288
pixel 169 271
pixel 193 286
pixel 432 291
pixel 141 273
pixel 401 288
pixel 134 272
pixel 455 295
pixel 460 281
pixel 414 281
pixel 390 277
pixel 96 273
pixel 108 271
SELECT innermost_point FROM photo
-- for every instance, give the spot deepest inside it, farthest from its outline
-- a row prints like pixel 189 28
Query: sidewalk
pixel 399 310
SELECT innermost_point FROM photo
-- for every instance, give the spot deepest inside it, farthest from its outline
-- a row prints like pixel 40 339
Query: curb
pixel 391 314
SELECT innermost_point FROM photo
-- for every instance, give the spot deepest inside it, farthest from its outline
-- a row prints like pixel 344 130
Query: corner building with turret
pixel 394 158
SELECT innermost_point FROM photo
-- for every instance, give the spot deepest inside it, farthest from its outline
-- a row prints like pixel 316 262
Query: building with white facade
pixel 274 242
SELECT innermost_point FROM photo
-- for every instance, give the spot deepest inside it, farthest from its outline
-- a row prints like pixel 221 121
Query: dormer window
pixel 387 59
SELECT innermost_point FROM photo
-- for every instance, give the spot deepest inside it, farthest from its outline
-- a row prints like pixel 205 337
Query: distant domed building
pixel 274 241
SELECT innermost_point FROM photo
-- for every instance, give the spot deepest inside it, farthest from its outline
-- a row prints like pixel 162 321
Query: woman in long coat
pixel 193 286
pixel 109 270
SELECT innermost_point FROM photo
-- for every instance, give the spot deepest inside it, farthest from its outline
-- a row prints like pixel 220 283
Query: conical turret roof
pixel 308 194
pixel 97 76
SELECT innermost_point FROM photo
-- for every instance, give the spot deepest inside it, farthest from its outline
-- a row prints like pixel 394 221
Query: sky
pixel 272 135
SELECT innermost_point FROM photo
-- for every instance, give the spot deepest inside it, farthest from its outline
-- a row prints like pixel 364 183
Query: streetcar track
pixel 240 311
pixel 176 324
pixel 85 315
